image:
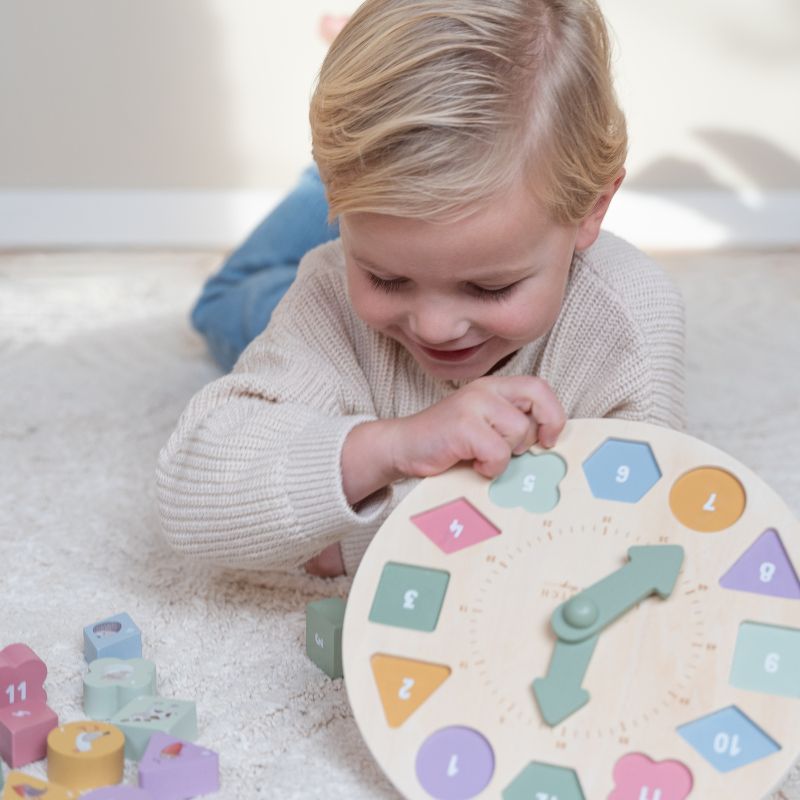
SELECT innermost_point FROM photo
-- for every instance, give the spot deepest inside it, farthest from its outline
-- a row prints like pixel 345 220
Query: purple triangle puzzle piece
pixel 764 568
pixel 174 769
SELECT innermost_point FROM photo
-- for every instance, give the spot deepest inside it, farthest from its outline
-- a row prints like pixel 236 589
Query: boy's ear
pixel 589 227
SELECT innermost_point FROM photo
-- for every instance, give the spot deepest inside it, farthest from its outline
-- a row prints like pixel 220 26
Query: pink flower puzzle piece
pixel 25 719
pixel 637 777
pixel 173 768
pixel 22 675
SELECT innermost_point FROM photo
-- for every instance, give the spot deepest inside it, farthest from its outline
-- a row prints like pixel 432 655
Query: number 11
pixel 22 688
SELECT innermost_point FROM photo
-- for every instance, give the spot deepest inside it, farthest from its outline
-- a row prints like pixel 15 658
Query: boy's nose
pixel 436 327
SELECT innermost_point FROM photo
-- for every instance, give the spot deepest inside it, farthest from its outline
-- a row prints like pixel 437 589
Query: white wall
pixel 181 121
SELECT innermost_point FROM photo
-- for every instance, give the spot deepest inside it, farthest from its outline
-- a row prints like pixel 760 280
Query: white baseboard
pixel 691 220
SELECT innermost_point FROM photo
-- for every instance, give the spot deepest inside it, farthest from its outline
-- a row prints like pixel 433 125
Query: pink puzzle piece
pixel 455 525
pixel 22 675
pixel 173 769
pixel 23 732
pixel 637 777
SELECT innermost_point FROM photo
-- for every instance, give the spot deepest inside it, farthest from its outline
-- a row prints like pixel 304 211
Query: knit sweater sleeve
pixel 251 477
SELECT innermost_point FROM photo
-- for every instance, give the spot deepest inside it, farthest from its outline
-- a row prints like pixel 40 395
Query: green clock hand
pixel 577 623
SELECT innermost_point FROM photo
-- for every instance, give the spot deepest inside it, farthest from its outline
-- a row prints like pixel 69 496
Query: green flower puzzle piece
pixel 112 683
pixel 531 482
pixel 145 715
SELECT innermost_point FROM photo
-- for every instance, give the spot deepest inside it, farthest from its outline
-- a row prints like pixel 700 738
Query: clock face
pixel 618 617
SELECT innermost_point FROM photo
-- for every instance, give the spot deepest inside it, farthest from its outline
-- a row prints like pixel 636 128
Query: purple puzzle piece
pixel 455 763
pixel 118 793
pixel 174 769
pixel 764 568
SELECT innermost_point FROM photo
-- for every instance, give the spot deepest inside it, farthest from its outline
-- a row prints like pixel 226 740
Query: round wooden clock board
pixel 618 617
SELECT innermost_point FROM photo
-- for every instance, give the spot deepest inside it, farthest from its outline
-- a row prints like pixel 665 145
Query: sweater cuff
pixel 315 492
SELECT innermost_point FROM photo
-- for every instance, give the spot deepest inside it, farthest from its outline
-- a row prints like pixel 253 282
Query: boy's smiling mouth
pixel 451 355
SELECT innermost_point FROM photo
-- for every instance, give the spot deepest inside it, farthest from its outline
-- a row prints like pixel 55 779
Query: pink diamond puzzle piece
pixel 23 732
pixel 173 769
pixel 637 777
pixel 764 568
pixel 22 675
pixel 455 525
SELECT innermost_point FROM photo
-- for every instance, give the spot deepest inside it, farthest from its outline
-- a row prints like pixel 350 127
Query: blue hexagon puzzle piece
pixel 531 482
pixel 622 470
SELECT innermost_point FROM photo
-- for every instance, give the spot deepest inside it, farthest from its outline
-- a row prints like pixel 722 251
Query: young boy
pixel 470 151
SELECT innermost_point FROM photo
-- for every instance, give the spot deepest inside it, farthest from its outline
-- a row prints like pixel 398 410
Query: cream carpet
pixel 97 361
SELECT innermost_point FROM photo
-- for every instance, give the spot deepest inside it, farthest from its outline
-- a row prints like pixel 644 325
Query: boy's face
pixel 462 297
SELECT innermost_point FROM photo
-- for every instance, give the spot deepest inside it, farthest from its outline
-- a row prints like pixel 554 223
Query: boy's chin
pixel 461 372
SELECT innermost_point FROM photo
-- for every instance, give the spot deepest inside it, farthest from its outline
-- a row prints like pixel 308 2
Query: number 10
pixel 22 688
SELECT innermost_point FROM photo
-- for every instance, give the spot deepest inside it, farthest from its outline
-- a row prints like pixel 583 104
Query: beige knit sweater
pixel 251 476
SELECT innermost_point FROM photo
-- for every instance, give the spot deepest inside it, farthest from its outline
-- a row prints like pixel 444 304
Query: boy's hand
pixel 328 563
pixel 484 422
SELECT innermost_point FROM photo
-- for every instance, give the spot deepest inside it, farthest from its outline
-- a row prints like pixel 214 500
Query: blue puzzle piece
pixel 622 470
pixel 728 739
pixel 114 637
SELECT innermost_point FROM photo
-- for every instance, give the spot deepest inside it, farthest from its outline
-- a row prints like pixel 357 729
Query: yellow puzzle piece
pixel 18 784
pixel 405 684
pixel 85 755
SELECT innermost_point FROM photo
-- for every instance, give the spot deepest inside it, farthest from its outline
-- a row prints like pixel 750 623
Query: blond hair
pixel 428 108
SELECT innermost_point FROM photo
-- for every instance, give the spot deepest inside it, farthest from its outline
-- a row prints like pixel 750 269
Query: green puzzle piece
pixel 545 781
pixel 530 482
pixel 145 715
pixel 112 683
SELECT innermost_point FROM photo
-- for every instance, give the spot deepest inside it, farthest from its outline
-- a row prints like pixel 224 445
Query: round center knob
pixel 580 612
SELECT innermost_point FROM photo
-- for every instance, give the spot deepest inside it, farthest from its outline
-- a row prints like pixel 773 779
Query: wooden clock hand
pixel 652 569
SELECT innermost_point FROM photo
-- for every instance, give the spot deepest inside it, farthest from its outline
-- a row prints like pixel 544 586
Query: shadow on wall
pixel 769 169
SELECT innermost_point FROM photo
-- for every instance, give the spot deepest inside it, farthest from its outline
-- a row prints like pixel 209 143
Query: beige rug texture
pixel 97 360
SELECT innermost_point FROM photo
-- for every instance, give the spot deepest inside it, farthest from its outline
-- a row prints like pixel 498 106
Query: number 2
pixel 405 689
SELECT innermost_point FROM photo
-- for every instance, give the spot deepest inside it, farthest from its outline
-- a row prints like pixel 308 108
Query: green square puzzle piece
pixel 145 715
pixel 767 659
pixel 409 596
pixel 324 620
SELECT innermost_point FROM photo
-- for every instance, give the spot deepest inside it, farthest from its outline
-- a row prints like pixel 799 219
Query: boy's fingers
pixel 531 438
pixel 491 451
pixel 545 407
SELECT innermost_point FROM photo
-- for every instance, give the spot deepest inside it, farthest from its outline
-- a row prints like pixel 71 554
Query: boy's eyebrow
pixel 497 275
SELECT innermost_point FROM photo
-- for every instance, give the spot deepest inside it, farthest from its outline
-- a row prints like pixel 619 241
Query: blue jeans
pixel 237 302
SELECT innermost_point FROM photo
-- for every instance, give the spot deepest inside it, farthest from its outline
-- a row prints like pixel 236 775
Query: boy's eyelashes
pixel 486 294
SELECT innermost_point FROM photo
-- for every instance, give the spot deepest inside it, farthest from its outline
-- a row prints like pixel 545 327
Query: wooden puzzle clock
pixel 618 617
